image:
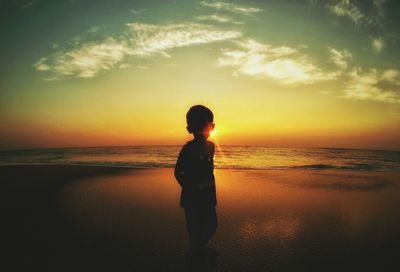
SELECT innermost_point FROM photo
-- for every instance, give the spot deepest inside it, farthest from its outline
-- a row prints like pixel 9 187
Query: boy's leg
pixel 193 225
pixel 210 224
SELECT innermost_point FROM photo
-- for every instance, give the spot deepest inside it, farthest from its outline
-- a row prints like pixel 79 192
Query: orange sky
pixel 326 79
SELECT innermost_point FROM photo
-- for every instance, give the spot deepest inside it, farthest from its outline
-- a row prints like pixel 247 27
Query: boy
pixel 194 172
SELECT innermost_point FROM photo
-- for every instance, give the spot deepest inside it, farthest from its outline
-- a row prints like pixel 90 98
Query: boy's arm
pixel 180 169
pixel 212 153
pixel 212 149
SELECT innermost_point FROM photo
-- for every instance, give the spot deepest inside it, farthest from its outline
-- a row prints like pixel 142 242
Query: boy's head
pixel 200 121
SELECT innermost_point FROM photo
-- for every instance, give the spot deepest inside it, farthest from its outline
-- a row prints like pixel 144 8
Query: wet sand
pixel 85 218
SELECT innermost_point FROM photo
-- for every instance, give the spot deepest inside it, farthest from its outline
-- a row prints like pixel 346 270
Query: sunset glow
pixel 213 133
pixel 275 73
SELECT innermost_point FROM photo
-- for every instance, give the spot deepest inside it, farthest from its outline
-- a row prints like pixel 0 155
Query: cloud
pixel 284 64
pixel 370 15
pixel 340 57
pixel 368 84
pixel 136 11
pixel 358 12
pixel 30 4
pixel 85 61
pixel 88 59
pixel 377 44
pixel 373 85
pixel 127 65
pixel 149 39
pixel 217 18
pixel 239 9
pixel 345 8
pixel 391 75
pixel 379 7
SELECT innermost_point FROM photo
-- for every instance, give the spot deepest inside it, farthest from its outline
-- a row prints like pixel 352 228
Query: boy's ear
pixel 189 130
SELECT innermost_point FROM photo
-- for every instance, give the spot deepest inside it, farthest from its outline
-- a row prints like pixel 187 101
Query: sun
pixel 213 133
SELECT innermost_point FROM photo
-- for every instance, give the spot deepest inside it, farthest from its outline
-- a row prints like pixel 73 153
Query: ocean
pixel 226 157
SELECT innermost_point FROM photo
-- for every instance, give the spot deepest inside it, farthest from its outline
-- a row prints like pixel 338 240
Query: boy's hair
pixel 197 117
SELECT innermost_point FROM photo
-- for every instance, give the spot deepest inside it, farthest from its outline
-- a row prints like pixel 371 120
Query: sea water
pixel 226 157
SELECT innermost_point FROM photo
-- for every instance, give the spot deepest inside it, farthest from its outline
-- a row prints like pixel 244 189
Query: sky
pixel 276 73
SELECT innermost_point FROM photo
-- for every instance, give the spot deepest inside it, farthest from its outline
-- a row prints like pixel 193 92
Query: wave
pixel 144 165
pixel 355 166
pixel 227 157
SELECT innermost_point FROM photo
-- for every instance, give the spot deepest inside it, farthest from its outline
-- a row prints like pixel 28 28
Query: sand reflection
pixel 265 218
pixel 276 229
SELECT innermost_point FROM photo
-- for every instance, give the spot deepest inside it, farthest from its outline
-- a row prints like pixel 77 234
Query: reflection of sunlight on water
pixel 275 229
pixel 364 214
pixel 264 217
pixel 282 228
pixel 355 218
pixel 226 156
pixel 219 152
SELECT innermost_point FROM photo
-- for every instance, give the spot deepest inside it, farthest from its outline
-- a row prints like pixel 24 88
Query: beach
pixel 91 218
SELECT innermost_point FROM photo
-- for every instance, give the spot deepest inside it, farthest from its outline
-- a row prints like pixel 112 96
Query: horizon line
pixel 235 145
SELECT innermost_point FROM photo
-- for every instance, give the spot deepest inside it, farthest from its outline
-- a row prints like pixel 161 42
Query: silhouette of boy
pixel 194 172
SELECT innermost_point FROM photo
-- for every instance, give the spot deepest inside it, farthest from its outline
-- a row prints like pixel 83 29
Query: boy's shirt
pixel 194 171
